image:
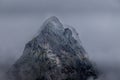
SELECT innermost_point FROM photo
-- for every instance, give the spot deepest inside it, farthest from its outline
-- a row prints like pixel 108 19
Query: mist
pixel 97 23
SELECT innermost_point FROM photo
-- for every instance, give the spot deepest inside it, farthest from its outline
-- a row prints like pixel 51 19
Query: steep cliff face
pixel 55 54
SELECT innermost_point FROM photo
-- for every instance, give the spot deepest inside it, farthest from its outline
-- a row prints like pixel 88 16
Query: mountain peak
pixel 52 23
pixel 53 55
pixel 53 18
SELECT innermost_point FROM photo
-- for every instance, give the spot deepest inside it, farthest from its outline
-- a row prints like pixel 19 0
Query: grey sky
pixel 97 22
pixel 59 6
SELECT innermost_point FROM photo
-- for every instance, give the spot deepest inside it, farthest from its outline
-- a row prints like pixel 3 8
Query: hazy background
pixel 96 21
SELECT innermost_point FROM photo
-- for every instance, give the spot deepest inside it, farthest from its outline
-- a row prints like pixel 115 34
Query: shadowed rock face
pixel 53 55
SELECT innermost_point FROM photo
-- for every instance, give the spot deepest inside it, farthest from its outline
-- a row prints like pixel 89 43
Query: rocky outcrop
pixel 55 54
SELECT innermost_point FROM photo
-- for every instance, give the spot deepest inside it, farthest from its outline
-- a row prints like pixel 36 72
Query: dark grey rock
pixel 55 54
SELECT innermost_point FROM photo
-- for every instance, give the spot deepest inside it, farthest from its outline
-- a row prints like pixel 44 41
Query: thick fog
pixel 96 21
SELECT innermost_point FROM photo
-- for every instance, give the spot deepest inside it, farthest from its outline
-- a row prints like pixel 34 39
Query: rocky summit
pixel 55 53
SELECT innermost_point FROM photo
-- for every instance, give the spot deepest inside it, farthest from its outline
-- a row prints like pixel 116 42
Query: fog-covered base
pixel 55 54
